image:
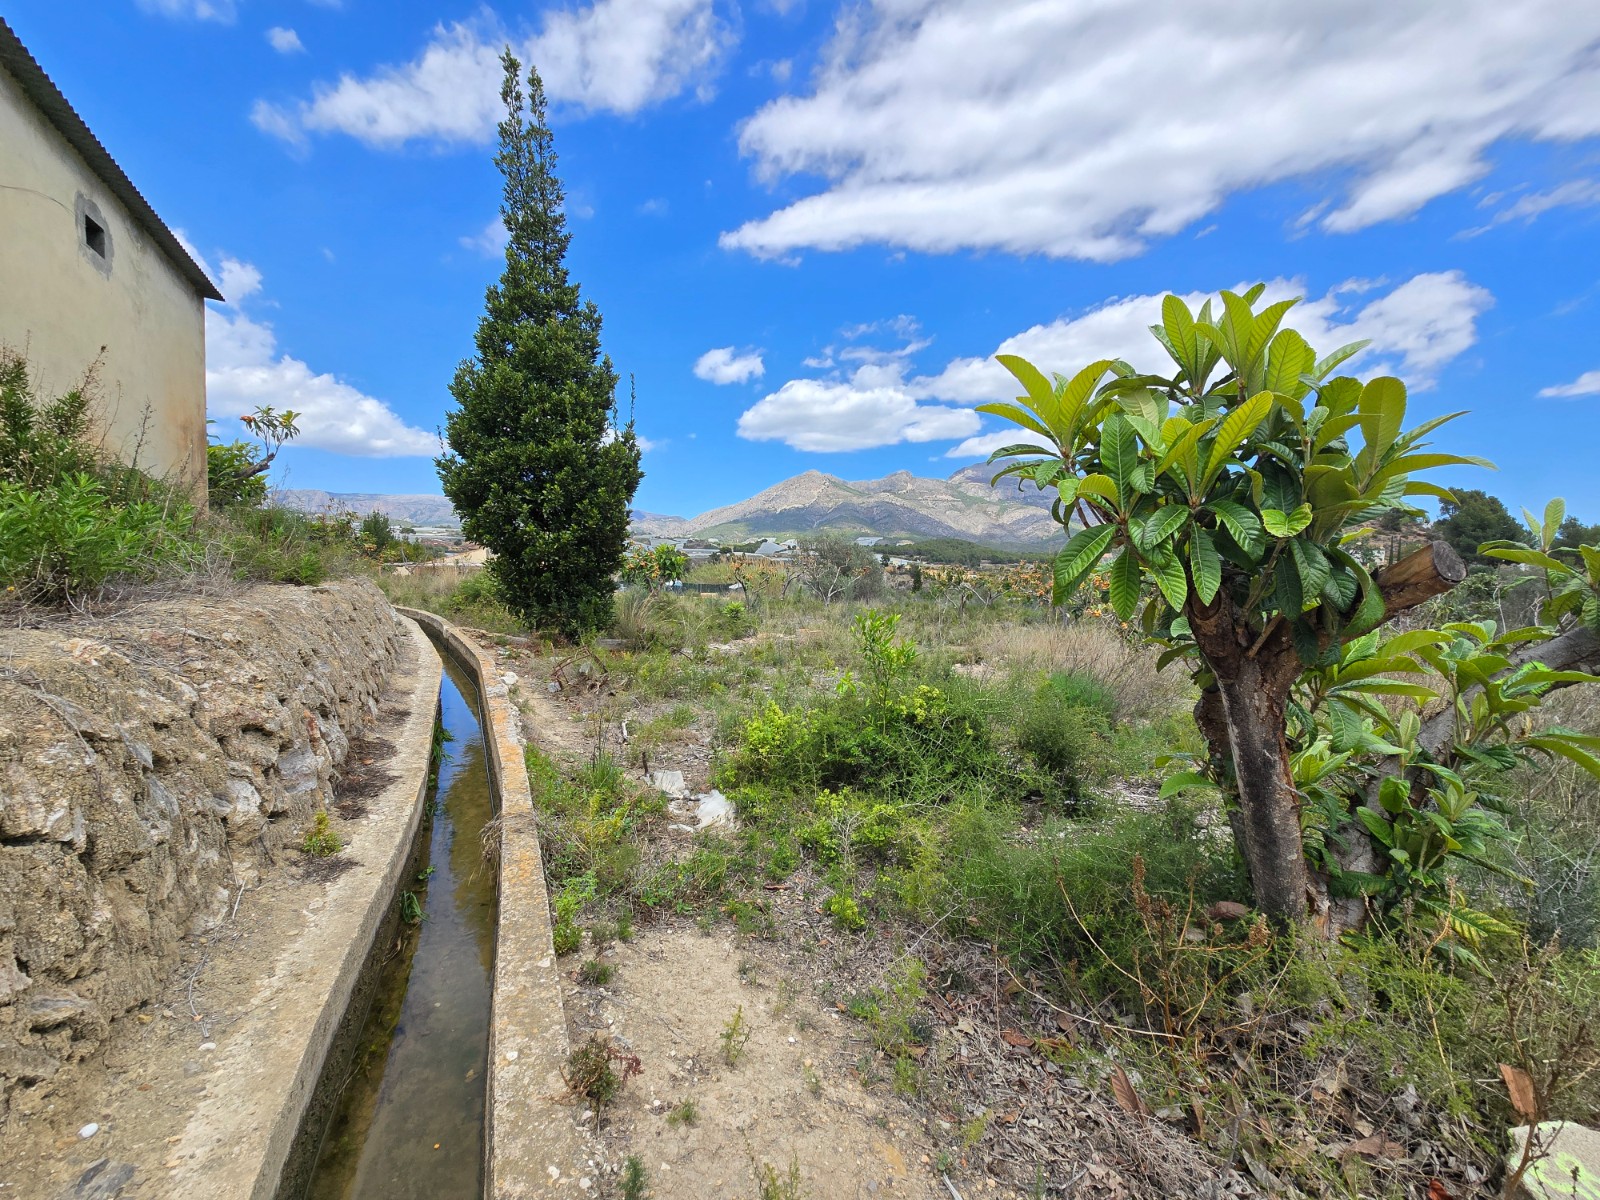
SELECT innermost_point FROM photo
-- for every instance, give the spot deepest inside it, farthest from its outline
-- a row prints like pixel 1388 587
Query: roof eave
pixel 48 99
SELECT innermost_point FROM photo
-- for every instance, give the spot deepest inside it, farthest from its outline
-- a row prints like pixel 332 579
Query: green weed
pixel 320 840
pixel 735 1036
pixel 634 1178
pixel 772 1186
pixel 597 1070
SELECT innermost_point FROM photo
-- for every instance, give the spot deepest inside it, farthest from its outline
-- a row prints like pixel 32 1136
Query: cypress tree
pixel 538 466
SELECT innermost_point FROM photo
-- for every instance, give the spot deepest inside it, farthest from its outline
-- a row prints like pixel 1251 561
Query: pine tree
pixel 538 467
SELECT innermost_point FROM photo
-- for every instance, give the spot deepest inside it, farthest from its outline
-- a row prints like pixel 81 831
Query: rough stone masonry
pixel 152 763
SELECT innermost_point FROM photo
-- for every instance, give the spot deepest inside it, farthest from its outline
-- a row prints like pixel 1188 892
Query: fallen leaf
pixel 1064 1022
pixel 1012 1038
pixel 1438 1191
pixel 1228 910
pixel 776 887
pixel 1375 1145
pixel 1520 1088
pixel 1127 1099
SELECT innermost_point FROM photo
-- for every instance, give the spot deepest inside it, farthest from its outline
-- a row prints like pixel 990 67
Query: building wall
pixel 60 303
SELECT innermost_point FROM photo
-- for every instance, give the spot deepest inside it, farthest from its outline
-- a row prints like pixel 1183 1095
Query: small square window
pixel 94 235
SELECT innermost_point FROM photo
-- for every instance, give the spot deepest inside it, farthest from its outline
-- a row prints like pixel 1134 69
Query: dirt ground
pixel 791 1099
pixel 991 1116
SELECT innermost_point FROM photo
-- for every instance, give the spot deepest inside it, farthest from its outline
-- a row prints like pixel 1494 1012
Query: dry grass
pixel 1091 649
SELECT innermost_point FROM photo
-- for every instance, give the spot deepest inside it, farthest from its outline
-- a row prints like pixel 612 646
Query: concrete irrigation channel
pixel 445 1079
pixel 385 1022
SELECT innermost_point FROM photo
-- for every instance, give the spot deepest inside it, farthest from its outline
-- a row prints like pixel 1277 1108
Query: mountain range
pixel 898 505
pixel 406 510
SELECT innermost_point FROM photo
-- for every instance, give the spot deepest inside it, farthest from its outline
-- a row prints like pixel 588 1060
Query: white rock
pixel 511 1056
pixel 89 1130
pixel 509 678
pixel 207 1047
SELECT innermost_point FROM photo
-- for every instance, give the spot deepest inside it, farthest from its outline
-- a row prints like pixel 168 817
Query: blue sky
pixel 810 225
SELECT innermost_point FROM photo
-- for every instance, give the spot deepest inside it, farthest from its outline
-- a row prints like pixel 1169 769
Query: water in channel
pixel 410 1120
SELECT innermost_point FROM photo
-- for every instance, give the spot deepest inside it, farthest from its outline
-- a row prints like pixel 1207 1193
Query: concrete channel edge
pixel 532 1145
pixel 239 1140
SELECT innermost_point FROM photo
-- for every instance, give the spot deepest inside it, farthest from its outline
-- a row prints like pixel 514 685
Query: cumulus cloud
pixel 614 55
pixel 823 415
pixel 199 10
pixel 859 406
pixel 1587 384
pixel 725 365
pixel 285 41
pixel 1086 130
pixel 245 369
pixel 1416 328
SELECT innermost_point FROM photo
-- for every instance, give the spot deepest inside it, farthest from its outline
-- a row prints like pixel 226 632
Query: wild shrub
pixel 320 840
pixel 596 1070
pixel 71 520
pixel 1045 901
pixel 1066 738
pixel 68 539
pixel 42 441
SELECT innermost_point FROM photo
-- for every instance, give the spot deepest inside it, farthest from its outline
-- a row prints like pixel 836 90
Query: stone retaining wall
pixel 152 764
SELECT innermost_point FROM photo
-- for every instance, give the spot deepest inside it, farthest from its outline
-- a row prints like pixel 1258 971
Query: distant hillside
pixel 900 505
pixel 408 510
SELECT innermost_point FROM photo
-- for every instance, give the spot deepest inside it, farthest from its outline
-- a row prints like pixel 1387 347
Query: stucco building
pixel 88 271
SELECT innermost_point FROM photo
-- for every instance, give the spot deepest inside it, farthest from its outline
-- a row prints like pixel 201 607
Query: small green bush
pixel 1083 691
pixel 69 538
pixel 321 841
pixel 1067 740
pixel 844 910
pixel 596 1070
pixel 229 481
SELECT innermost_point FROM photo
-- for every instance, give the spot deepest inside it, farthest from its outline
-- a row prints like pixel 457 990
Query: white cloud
pixel 1085 130
pixel 986 444
pixel 1425 322
pixel 1587 384
pixel 285 41
pixel 490 241
pixel 871 406
pixel 614 55
pixel 824 415
pixel 199 10
pixel 725 365
pixel 244 369
pixel 1575 193
pixel 1416 328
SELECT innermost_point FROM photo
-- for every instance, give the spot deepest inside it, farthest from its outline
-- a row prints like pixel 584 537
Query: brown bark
pixel 1242 718
pixel 1426 572
pixel 1269 805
